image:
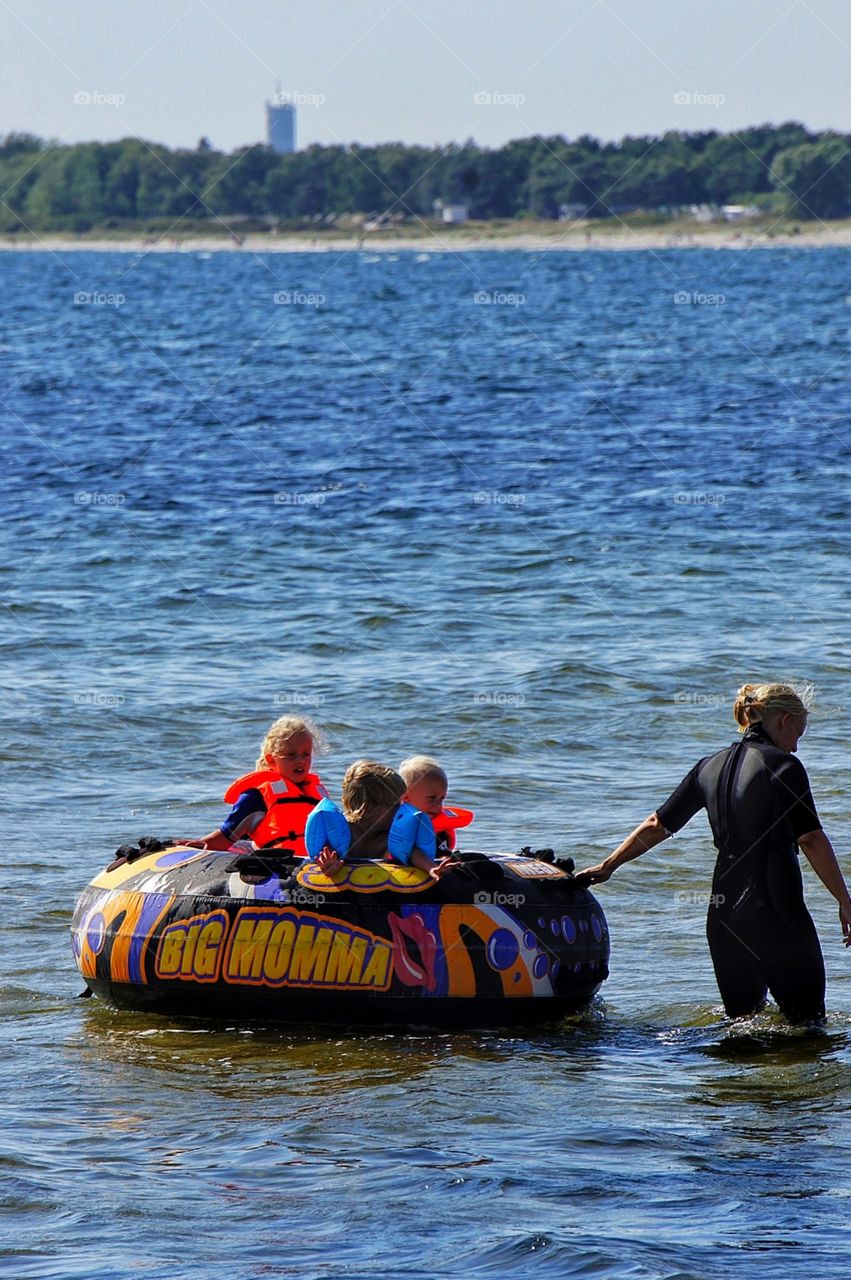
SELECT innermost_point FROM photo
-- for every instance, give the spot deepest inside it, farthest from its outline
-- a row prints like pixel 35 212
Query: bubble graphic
pixel 96 933
pixel 503 949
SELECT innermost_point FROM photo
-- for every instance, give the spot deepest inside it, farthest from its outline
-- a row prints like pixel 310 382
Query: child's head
pixel 289 746
pixel 371 793
pixel 425 784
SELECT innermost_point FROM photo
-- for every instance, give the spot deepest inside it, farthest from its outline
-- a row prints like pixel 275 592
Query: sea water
pixel 539 515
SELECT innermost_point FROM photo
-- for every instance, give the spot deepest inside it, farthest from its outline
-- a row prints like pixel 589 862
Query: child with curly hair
pixel 272 803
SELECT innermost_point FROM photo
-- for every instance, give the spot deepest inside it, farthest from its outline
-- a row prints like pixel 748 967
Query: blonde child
pixel 271 804
pixel 426 786
pixel 374 822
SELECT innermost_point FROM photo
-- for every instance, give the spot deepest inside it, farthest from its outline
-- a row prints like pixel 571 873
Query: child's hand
pixel 191 844
pixel 440 868
pixel 328 861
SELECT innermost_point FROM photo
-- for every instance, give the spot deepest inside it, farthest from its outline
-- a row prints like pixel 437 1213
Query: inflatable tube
pixel 500 940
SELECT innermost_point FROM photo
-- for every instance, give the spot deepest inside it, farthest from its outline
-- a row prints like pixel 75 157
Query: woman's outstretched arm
pixel 646 835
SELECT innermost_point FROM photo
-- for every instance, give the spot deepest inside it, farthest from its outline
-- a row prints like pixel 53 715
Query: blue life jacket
pixel 409 830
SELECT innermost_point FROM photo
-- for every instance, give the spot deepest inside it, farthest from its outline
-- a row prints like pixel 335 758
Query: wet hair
pixel 279 734
pixel 416 768
pixel 368 785
pixel 756 701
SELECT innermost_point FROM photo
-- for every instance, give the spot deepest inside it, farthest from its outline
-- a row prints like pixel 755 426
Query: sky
pixel 420 71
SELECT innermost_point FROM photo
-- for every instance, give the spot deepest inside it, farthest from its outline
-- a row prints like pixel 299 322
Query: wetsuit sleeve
pixel 795 787
pixel 245 815
pixel 683 803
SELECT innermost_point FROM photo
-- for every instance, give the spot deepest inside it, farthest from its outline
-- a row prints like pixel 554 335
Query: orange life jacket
pixel 287 806
pixel 450 818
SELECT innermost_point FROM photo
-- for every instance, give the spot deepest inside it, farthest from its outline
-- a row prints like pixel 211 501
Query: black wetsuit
pixel 760 933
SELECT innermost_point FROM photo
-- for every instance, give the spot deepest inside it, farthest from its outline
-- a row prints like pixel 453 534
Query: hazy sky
pixel 378 70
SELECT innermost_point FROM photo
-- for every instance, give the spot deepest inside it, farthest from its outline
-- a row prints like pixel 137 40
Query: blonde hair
pixel 415 768
pixel 279 734
pixel 368 785
pixel 756 701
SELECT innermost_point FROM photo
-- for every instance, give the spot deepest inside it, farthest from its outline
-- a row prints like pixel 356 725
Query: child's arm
pixel 213 840
pixel 243 818
pixel 434 869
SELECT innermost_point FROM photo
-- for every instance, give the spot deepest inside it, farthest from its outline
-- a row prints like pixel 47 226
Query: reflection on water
pixel 230 1058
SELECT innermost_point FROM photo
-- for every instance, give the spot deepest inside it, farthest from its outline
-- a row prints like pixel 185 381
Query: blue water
pixel 543 536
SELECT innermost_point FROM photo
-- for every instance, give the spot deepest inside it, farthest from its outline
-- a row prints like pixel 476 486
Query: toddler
pixel 426 787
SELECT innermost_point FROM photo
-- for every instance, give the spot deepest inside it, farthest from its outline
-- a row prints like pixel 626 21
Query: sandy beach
pixel 575 238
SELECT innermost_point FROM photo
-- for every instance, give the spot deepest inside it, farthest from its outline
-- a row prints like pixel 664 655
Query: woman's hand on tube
pixel 594 875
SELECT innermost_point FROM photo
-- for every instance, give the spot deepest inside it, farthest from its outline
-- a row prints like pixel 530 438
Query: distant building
pixel 736 212
pixel 447 211
pixel 280 124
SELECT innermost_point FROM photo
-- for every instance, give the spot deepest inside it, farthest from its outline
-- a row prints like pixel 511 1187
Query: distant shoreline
pixel 473 238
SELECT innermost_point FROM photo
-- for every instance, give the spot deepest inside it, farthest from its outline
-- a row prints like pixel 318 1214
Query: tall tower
pixel 280 123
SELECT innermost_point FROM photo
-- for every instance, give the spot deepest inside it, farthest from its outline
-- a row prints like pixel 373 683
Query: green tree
pixel 15 143
pixel 54 186
pixel 48 199
pixel 816 178
pixel 728 165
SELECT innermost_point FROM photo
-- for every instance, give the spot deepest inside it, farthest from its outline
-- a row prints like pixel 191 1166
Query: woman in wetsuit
pixel 761 811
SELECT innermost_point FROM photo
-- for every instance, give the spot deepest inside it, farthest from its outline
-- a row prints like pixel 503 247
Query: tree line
pixel 785 169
